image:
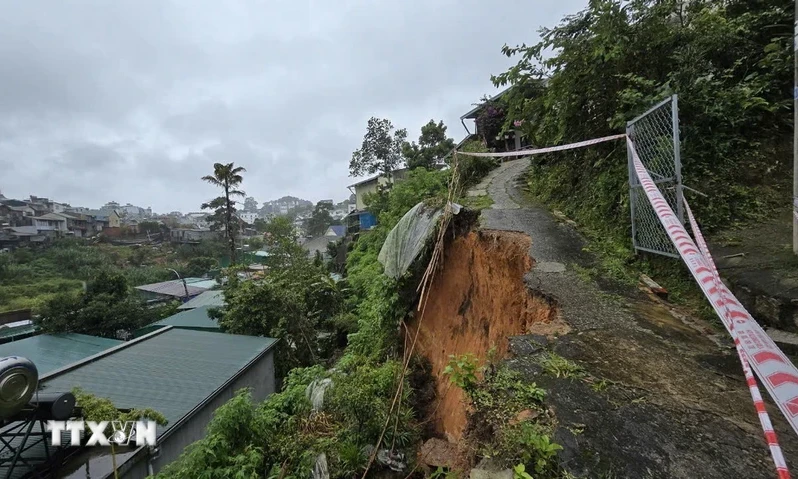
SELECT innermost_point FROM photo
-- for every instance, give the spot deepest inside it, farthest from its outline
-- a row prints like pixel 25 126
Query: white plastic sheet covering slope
pixel 407 238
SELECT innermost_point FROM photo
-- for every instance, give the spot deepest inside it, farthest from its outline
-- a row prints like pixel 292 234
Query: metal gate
pixel 656 136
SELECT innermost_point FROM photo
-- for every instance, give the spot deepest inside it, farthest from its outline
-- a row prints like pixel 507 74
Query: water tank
pixel 18 381
pixel 53 405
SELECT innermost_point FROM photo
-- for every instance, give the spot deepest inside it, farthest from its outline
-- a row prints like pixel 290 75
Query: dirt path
pixel 676 406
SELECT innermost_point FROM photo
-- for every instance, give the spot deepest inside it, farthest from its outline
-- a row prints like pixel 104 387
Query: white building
pixel 249 218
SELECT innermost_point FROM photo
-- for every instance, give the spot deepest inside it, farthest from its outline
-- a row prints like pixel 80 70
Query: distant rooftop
pixel 196 319
pixel 339 230
pixel 375 177
pixel 50 352
pixel 208 298
pixel 176 288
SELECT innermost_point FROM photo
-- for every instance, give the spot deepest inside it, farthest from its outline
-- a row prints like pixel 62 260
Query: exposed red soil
pixel 476 302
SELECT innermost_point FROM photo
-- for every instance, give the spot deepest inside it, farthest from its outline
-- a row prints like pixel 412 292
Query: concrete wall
pixel 361 191
pixel 259 377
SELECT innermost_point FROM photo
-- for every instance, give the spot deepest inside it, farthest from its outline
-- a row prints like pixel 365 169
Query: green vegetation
pixel 508 423
pixel 474 168
pixel 477 202
pixel 106 307
pixel 319 220
pixel 102 409
pixel 381 151
pixel 30 277
pixel 433 146
pixel 560 367
pixel 730 64
pixel 462 371
pixel 359 319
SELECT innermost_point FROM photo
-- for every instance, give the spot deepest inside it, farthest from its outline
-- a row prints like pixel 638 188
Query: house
pixel 312 246
pixel 78 224
pixel 192 235
pixel 98 219
pixel 183 374
pixel 513 140
pixel 184 288
pixel 16 213
pixel 370 185
pixel 13 236
pixel 50 224
pixel 338 231
pixel 361 219
pixel 131 225
pixel 248 218
pixel 114 220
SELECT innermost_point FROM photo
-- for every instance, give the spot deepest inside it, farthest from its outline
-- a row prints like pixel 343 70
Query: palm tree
pixel 228 177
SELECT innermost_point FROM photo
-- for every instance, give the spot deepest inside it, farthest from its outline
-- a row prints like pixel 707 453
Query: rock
pixel 488 474
pixel 437 452
pixel 524 415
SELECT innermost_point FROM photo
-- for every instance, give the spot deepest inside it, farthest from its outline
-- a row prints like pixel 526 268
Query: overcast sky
pixel 134 100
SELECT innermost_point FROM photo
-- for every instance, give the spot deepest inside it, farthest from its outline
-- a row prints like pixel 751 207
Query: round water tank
pixel 18 380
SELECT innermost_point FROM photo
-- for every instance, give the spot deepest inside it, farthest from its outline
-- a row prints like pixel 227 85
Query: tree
pixel 433 146
pixel 321 218
pixel 490 121
pixel 199 265
pixel 228 177
pixel 381 151
pixel 105 308
pixel 260 224
pixel 151 227
pixel 250 205
pixel 731 65
pixel 280 241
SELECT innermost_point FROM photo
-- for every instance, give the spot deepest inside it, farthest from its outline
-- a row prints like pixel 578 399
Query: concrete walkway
pixel 678 405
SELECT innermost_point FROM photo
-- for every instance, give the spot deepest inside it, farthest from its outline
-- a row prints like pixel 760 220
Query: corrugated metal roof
pixel 192 318
pixel 54 351
pixel 172 371
pixel 174 287
pixel 208 298
pixel 204 283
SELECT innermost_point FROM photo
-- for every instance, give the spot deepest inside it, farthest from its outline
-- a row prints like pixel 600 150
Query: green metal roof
pixel 54 351
pixel 207 298
pixel 171 371
pixel 192 318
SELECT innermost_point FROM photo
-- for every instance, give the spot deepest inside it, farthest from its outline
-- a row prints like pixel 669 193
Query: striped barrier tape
pixel 777 373
pixel 548 149
pixel 754 346
pixel 753 387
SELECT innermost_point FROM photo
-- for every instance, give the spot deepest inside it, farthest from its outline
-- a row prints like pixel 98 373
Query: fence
pixel 656 135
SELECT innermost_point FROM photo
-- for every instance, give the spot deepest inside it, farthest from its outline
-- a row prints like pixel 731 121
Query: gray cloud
pixel 133 101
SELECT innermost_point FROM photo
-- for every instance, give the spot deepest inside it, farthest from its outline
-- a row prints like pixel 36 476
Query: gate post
pixel 677 158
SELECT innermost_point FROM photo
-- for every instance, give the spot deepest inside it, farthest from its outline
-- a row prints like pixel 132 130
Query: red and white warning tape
pixel 753 388
pixel 548 149
pixel 754 347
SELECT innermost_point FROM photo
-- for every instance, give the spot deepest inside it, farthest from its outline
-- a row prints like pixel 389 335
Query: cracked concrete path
pixel 676 404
